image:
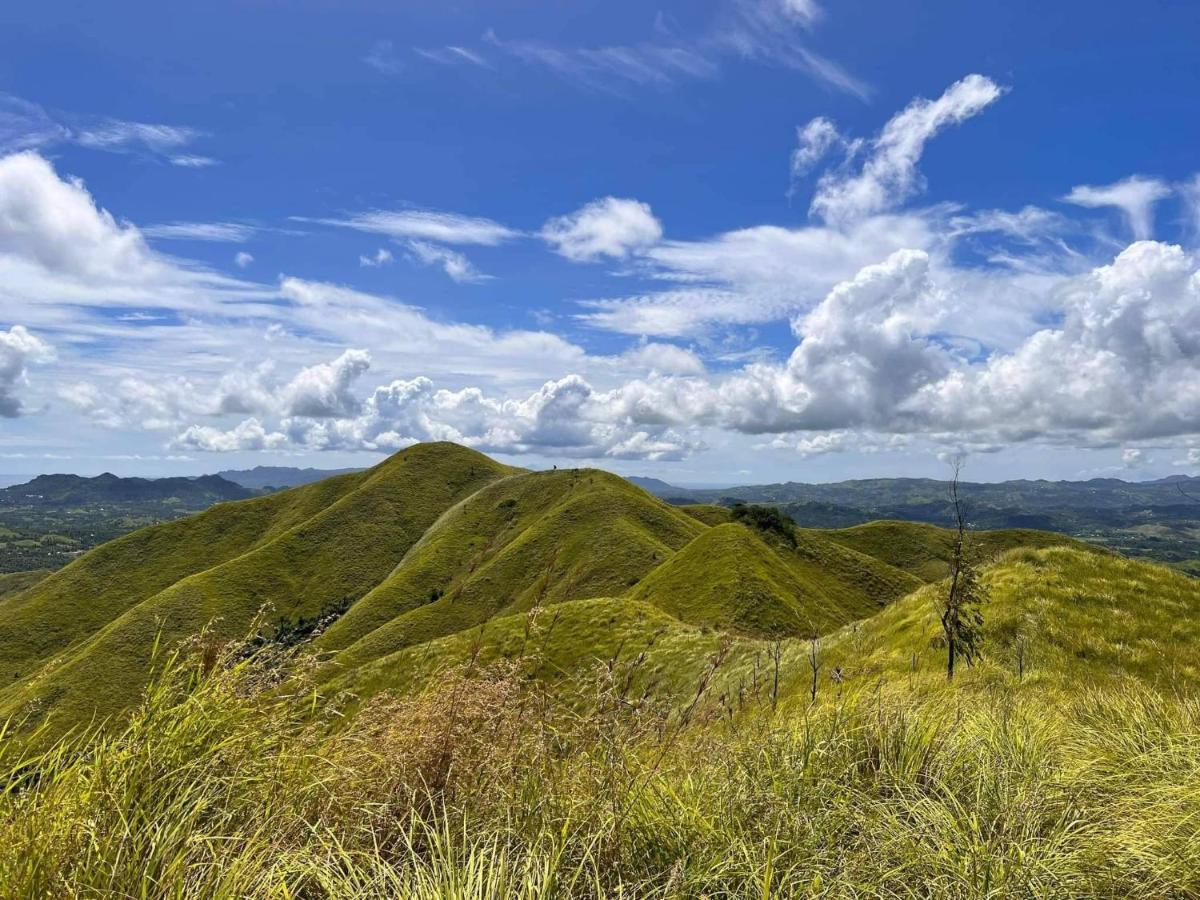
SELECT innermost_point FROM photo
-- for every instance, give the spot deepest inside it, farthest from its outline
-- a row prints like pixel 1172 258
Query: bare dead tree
pixel 814 663
pixel 961 614
pixel 775 651
pixel 1022 649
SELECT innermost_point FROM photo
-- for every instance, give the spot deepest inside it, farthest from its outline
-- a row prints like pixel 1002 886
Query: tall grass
pixel 233 778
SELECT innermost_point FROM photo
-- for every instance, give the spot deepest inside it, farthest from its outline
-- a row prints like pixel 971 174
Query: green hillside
pixel 405 561
pixel 925 550
pixel 1059 619
pixel 1058 603
pixel 551 684
pixel 568 644
pixel 536 538
pixel 15 582
pixel 292 554
pixel 603 748
pixel 733 578
pixel 708 513
pixel 94 590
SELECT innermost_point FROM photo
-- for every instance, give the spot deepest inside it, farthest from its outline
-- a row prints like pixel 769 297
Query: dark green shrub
pixel 767 519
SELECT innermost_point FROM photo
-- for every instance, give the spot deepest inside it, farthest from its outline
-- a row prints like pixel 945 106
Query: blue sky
pixel 712 242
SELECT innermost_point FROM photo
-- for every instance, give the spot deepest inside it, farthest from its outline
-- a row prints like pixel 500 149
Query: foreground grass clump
pixel 233 779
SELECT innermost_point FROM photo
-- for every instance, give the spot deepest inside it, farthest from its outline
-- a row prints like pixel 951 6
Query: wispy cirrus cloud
pixel 450 55
pixel 677 313
pixel 382 57
pixel 766 32
pixel 1190 191
pixel 1135 197
pixel 115 134
pixel 611 66
pixel 191 161
pixel 424 224
pixel 378 259
pixel 25 125
pixel 219 232
pixel 778 33
pixel 456 266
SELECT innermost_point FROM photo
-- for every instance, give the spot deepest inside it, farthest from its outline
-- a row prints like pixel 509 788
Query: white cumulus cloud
pixel 1132 457
pixel 564 417
pixel 611 226
pixel 874 357
pixel 324 390
pixel 247 435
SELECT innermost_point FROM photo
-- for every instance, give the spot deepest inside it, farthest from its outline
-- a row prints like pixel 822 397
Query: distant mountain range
pixel 925 499
pixel 1154 518
pixel 658 487
pixel 264 477
pixel 47 522
pixel 75 490
pixel 194 492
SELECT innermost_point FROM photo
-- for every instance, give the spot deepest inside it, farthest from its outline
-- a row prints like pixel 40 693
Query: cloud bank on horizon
pixel 1065 321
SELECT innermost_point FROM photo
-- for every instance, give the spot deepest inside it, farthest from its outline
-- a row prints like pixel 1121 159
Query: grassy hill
pixel 15 582
pixel 925 550
pixel 568 644
pixel 535 538
pixel 262 478
pixel 708 513
pixel 88 631
pixel 733 578
pixel 409 558
pixel 549 684
pixel 457 769
pixel 1059 617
